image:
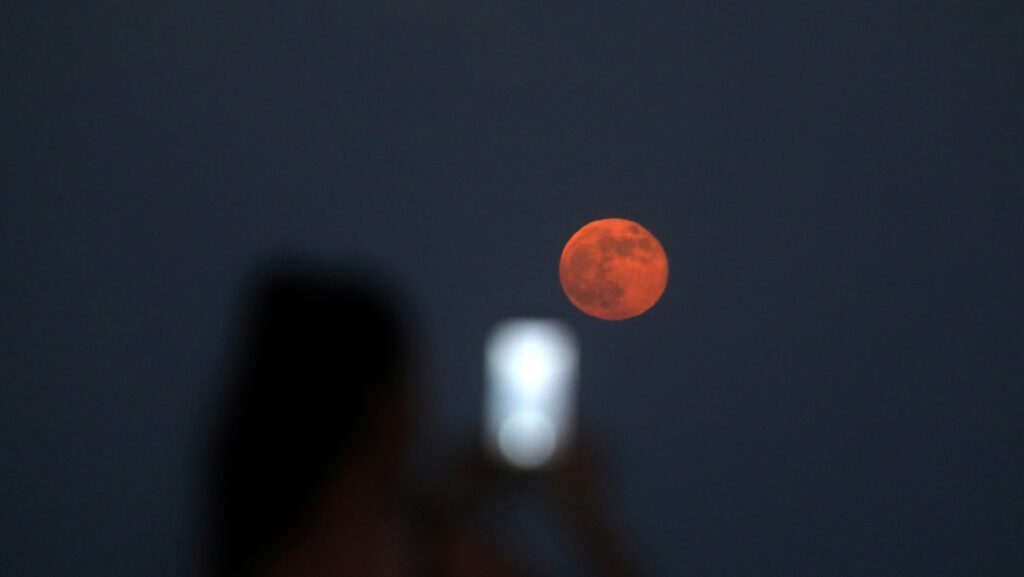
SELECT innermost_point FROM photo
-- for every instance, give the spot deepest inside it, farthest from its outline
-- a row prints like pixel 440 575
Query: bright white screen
pixel 531 370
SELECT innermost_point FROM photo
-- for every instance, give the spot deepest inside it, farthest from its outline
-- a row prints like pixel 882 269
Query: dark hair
pixel 316 349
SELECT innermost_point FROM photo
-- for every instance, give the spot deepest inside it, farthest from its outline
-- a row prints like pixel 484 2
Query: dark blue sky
pixel 832 384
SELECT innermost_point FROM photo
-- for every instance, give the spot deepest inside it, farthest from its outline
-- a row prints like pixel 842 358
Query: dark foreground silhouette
pixel 306 475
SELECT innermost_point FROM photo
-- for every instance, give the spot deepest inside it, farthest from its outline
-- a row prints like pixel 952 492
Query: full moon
pixel 613 269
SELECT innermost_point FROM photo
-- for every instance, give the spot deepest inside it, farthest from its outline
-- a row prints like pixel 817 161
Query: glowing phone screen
pixel 531 370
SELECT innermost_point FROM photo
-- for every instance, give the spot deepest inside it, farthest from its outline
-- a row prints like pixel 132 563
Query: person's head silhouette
pixel 317 418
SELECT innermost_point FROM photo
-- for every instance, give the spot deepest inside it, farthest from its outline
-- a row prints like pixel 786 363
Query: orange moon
pixel 613 269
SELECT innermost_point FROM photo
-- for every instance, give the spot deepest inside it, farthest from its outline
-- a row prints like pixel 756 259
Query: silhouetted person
pixel 305 474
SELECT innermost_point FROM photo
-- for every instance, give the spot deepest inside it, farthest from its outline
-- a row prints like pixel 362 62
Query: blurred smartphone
pixel 531 368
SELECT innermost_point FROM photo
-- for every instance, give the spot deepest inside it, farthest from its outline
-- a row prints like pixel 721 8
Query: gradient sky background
pixel 832 384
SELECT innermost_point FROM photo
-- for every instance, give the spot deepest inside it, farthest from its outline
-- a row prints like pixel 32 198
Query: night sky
pixel 832 383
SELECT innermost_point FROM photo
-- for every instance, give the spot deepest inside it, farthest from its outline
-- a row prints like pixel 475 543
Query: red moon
pixel 613 269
